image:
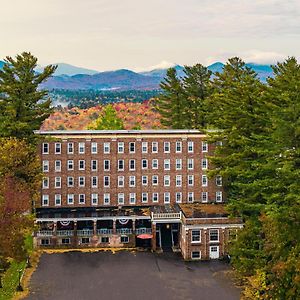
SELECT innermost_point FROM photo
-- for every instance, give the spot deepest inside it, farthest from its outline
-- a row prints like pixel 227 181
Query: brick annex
pixel 139 188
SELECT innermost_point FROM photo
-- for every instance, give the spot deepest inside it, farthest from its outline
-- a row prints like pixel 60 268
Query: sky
pixel 146 34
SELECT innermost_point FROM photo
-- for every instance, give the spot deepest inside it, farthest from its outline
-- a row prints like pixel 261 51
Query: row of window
pixel 131 197
pixel 121 147
pixel 121 164
pixel 213 235
pixel 81 181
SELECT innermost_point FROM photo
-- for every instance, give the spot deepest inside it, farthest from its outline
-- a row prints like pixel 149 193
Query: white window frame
pixel 81 181
pixel 57 200
pixel 210 235
pixel 190 147
pixel 178 164
pixel 219 180
pixel 167 197
pixel 167 180
pixel 94 181
pixel 145 182
pixel 45 184
pixel 204 163
pixel 144 147
pixel 178 148
pixel 94 148
pixel 120 147
pixel 167 147
pixel 121 198
pixel 178 180
pixel 106 198
pixel 155 196
pixel 190 164
pixel 167 164
pixel 178 197
pixel 204 180
pixel 45 145
pixel 104 181
pixel 70 148
pixel 81 199
pixel 204 146
pixel 81 168
pixel 155 164
pixel 196 240
pixel 190 180
pixel 57 182
pixel 70 199
pixel 70 182
pixel 121 181
pixel 106 148
pixel 94 165
pixel 45 200
pixel 204 197
pixel 70 163
pixel 144 197
pixel 57 165
pixel 154 147
pixel 81 148
pixel 123 164
pixel 129 164
pixel 144 167
pixel 155 177
pixel 190 197
pixel 57 148
pixel 196 258
pixel 132 181
pixel 46 166
pixel 131 150
pixel 219 196
pixel 106 163
pixel 132 198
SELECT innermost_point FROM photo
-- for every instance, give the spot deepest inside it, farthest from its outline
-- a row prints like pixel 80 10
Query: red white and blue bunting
pixel 123 221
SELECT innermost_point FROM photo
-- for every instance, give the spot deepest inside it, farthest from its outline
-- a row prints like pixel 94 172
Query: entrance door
pixel 214 252
pixel 166 237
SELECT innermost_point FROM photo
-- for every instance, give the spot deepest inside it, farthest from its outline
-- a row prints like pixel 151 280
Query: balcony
pixel 160 216
pixel 85 232
pixel 104 231
pixel 124 231
pixel 44 233
pixel 65 232
pixel 143 230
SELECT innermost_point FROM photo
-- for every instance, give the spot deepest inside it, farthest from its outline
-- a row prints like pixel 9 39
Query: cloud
pixel 162 65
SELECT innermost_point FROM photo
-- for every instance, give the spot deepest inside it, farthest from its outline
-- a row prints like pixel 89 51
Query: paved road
pixel 128 275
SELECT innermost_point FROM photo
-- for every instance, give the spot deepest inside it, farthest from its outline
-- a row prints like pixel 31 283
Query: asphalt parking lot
pixel 129 275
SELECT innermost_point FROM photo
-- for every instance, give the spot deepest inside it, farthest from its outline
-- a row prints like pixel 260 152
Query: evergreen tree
pixel 108 120
pixel 23 107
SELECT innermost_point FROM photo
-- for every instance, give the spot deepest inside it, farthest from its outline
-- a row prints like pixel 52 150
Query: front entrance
pixel 167 236
pixel 214 252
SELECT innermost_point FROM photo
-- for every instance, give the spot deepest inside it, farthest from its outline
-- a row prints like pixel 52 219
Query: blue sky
pixel 142 34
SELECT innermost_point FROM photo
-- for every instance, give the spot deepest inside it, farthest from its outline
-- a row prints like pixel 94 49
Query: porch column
pixel 95 227
pixel 55 228
pixel 114 226
pixel 75 241
pixel 133 226
pixel 223 242
pixel 153 225
pixel 206 249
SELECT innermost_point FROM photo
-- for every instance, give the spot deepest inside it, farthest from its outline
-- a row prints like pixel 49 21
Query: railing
pixel 124 230
pixel 65 232
pixel 44 233
pixel 159 216
pixel 85 232
pixel 143 230
pixel 104 231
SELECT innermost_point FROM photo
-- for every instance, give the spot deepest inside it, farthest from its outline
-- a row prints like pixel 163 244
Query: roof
pixel 204 210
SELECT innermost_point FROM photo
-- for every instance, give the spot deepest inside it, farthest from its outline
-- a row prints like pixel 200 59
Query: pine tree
pixel 23 106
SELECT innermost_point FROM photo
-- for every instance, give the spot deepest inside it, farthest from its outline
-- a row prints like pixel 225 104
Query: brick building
pixel 132 188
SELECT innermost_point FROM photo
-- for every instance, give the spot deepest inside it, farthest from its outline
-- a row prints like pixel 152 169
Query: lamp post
pixel 19 287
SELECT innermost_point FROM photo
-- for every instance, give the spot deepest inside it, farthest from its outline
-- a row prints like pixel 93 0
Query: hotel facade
pixel 132 189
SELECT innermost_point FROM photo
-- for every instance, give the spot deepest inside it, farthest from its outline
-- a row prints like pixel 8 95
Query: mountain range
pixel 75 78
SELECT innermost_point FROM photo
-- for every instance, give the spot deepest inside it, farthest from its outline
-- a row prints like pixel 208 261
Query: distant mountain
pixel 216 67
pixel 162 72
pixel 1 64
pixel 70 70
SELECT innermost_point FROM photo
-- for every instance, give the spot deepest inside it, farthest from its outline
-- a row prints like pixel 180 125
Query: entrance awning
pixel 145 236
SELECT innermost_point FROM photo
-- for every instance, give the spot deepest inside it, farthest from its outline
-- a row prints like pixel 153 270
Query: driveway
pixel 129 275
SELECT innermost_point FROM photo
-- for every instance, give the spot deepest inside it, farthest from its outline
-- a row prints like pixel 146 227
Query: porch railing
pixel 143 230
pixel 124 230
pixel 85 232
pixel 65 232
pixel 104 231
pixel 44 233
pixel 159 216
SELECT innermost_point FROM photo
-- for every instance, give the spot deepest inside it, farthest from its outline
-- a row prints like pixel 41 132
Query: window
pixel 94 181
pixel 81 148
pixel 57 182
pixel 57 200
pixel 131 164
pixel 57 148
pixel 70 165
pixel 144 197
pixel 85 240
pixel 214 235
pixel 178 180
pixel 45 242
pixel 70 198
pixel 154 197
pixel 154 163
pixel 178 147
pixel 106 198
pixel 120 181
pixel 167 180
pixel 132 198
pixel 166 147
pixel 144 147
pixel 94 165
pixel 132 147
pixel 106 165
pixel 190 164
pixel 178 196
pixel 219 180
pixel 58 166
pixel 196 254
pixel 120 147
pixel 154 180
pixel 196 236
pixel 81 181
pixel 94 148
pixel 167 197
pixel 204 180
pixel 46 183
pixel 104 239
pixel 65 241
pixel 190 180
pixel 132 181
pixel 106 181
pixel 178 164
pixel 204 196
pixel 144 180
pixel 45 200
pixel 190 146
pixel 70 148
pixel 81 198
pixel 106 148
pixel 124 239
pixel 167 165
pixel 120 165
pixel 204 163
pixel 190 197
pixel 144 164
pixel 94 198
pixel 204 146
pixel 81 165
pixel 45 148
pixel 154 147
pixel 218 196
pixel 45 165
pixel 70 181
pixel 120 198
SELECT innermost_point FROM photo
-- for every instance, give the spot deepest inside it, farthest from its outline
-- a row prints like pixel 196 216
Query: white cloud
pixel 162 65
